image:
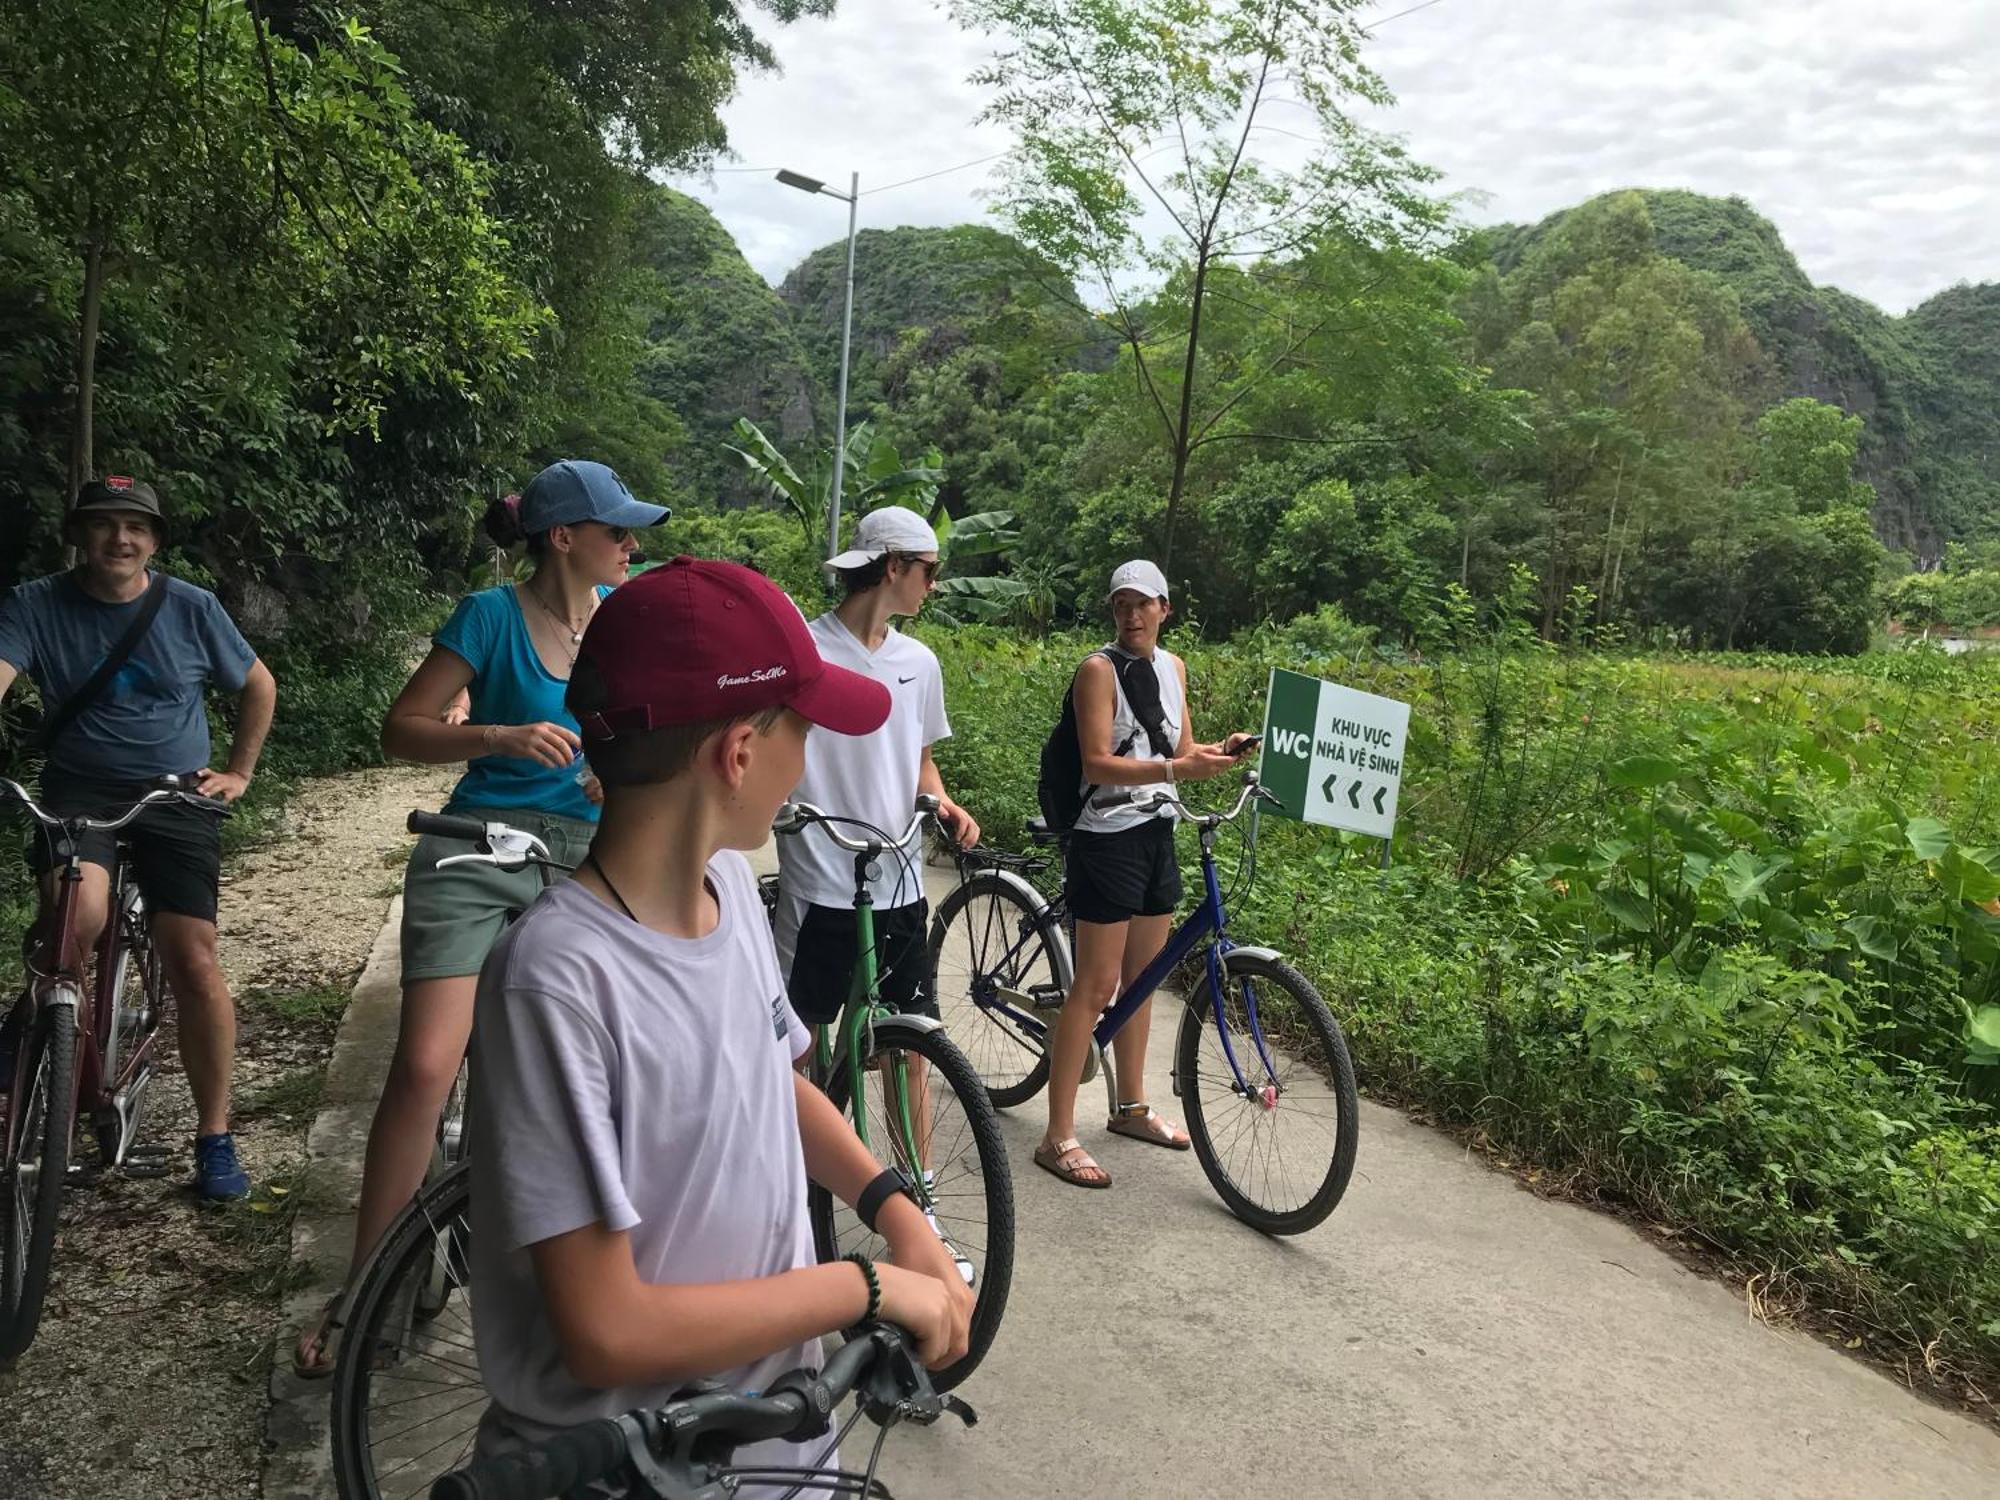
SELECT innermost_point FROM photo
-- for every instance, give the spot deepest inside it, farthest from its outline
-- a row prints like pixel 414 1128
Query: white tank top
pixel 1112 807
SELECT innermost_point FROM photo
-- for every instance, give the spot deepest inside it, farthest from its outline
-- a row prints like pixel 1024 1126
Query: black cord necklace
pixel 591 860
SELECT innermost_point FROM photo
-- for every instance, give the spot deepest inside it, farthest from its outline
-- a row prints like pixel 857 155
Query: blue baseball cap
pixel 575 489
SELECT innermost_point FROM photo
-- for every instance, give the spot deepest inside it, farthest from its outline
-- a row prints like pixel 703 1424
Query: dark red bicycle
pixel 78 1055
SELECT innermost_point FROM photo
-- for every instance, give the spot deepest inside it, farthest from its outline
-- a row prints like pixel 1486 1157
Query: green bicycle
pixel 916 1102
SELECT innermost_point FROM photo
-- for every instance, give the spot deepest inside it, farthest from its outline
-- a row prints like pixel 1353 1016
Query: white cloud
pixel 1866 133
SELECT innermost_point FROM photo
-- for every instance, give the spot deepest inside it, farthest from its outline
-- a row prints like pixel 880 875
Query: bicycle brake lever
pixel 497 860
pixel 962 1411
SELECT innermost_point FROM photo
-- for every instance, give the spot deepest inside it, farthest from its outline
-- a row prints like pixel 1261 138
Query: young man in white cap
pixel 888 572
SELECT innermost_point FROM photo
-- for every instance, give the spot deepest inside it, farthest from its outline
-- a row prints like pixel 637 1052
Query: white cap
pixel 1139 575
pixel 893 528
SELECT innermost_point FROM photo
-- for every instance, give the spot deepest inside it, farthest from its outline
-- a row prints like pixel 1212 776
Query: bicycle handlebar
pixel 1252 789
pixel 445 825
pixel 498 844
pixel 19 793
pixel 794 817
pixel 659 1443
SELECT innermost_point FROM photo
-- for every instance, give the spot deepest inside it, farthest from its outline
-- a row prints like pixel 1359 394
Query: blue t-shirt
pixel 511 686
pixel 150 719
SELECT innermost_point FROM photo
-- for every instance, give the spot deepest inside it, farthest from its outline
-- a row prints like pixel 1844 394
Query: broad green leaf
pixel 1983 1025
pixel 1928 837
pixel 1628 909
pixel 1641 771
pixel 1873 936
pixel 1850 717
pixel 1965 878
pixel 1744 875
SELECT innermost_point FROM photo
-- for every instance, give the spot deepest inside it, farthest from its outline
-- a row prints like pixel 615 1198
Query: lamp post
pixel 852 198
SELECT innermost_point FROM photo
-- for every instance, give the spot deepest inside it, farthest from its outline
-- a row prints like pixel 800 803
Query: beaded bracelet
pixel 874 1286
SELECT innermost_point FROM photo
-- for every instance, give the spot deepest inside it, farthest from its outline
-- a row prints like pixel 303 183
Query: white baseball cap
pixel 893 528
pixel 1139 575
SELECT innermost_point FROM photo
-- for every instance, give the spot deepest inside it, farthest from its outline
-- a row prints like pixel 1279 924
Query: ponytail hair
pixel 503 522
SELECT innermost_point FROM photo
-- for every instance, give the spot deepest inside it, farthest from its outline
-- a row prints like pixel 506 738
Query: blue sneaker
pixel 218 1176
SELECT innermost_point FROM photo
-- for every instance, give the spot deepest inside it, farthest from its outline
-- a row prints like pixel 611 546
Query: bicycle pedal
pixel 143 1162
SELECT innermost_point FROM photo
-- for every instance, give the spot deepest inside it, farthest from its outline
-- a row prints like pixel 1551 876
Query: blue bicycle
pixel 1260 1065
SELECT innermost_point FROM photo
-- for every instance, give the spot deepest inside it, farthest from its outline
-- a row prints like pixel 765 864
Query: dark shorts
pixel 823 961
pixel 1132 872
pixel 175 850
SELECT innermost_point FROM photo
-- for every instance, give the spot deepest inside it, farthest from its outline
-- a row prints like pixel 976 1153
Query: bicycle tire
pixel 983 916
pixel 1306 1042
pixel 392 1347
pixel 29 1211
pixel 985 1234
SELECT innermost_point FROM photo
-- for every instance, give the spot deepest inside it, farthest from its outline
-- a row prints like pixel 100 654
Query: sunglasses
pixel 930 565
pixel 619 535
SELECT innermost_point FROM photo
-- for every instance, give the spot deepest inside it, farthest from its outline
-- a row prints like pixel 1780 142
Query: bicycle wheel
pixel 997 950
pixel 136 993
pixel 406 1391
pixel 970 1191
pixel 31 1183
pixel 1280 1154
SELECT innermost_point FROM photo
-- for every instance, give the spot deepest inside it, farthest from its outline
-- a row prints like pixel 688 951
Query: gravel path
pixel 148 1377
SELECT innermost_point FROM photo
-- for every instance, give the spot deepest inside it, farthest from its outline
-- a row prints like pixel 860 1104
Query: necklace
pixel 575 630
pixel 591 860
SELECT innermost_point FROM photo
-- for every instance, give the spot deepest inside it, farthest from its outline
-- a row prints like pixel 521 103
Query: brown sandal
pixel 1069 1161
pixel 1142 1122
pixel 316 1352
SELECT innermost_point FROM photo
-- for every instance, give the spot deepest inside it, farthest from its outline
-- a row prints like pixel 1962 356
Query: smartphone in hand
pixel 1240 745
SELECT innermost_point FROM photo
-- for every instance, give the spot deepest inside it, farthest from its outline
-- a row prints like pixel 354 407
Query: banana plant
pixel 873 474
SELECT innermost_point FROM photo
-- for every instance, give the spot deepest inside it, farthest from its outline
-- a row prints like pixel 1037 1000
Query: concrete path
pixel 1445 1333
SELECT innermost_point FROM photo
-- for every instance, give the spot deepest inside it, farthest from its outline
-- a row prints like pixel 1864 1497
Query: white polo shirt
pixel 872 777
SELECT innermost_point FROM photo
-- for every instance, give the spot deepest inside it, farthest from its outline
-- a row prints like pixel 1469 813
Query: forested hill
pixel 1924 383
pixel 1927 384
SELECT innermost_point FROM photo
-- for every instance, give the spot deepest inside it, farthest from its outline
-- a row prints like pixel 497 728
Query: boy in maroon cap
pixel 642 1143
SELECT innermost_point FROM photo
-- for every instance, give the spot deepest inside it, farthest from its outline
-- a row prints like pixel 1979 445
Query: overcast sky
pixel 1865 129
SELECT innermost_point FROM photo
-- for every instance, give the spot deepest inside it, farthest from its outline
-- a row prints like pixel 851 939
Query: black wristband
pixel 885 1185
pixel 874 1286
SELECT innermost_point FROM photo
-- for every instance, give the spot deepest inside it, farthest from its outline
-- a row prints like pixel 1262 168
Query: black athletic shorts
pixel 823 961
pixel 1127 873
pixel 176 850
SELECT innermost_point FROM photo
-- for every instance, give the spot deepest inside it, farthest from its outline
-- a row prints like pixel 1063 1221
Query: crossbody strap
pixel 94 685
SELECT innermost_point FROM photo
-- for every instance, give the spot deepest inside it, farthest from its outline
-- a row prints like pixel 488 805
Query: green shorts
pixel 452 917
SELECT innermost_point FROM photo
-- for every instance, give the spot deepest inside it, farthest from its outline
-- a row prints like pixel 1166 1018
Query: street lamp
pixel 852 198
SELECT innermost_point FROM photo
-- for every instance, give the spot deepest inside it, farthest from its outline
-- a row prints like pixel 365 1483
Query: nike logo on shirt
pixel 905 679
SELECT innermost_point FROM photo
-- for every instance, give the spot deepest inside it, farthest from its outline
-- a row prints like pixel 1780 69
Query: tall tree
pixel 1147 150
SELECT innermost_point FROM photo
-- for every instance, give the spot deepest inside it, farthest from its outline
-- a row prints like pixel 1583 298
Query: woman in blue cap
pixel 510 649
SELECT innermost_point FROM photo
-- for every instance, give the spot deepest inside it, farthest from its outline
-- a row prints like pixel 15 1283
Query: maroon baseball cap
pixel 693 640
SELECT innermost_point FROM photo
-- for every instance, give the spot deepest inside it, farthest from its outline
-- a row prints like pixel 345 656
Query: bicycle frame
pixel 857 1019
pixel 57 979
pixel 1208 922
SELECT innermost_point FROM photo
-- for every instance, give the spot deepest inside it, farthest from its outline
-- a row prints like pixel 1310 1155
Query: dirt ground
pixel 148 1376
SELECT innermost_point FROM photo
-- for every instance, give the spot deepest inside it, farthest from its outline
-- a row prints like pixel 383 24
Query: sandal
pixel 1069 1161
pixel 315 1354
pixel 1142 1122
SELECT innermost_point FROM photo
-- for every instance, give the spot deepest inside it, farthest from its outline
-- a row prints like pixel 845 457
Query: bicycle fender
pixel 1269 955
pixel 907 1024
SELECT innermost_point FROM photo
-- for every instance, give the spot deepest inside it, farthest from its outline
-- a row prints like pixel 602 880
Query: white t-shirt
pixel 872 777
pixel 1113 807
pixel 645 1081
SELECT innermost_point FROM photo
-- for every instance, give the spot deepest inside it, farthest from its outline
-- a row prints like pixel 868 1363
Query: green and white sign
pixel 1333 755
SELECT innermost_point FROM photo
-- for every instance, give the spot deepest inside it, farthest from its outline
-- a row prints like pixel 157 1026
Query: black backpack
pixel 1059 788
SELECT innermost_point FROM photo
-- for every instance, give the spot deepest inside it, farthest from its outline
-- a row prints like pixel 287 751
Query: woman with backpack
pixel 1121 876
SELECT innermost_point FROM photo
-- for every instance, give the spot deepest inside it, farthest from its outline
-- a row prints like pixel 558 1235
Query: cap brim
pixel 843 701
pixel 634 514
pixel 854 557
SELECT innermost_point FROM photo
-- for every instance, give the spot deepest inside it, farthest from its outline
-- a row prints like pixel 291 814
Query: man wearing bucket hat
pixel 109 736
pixel 888 572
